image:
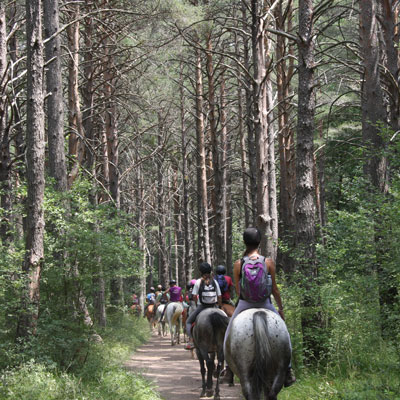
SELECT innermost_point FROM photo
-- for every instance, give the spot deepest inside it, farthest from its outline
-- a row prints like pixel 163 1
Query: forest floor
pixel 175 374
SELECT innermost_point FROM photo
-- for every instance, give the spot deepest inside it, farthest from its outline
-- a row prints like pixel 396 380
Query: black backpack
pixel 208 293
pixel 223 284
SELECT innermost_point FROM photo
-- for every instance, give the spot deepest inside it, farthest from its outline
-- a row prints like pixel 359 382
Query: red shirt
pixel 227 294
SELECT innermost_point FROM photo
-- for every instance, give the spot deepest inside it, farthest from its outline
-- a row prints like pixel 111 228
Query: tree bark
pixel 287 159
pixel 35 156
pixel 305 203
pixel 261 129
pixel 217 193
pixel 163 265
pixel 186 223
pixel 205 253
pixel 251 141
pixel 55 109
pixel 76 134
pixel 5 155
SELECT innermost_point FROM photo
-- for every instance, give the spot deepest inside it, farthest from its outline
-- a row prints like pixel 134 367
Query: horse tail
pixel 266 358
pixel 177 313
pixel 219 323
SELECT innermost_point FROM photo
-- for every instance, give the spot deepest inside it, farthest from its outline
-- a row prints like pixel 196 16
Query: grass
pixel 102 375
pixel 357 387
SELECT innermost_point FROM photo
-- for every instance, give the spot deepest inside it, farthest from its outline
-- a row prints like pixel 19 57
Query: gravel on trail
pixel 175 374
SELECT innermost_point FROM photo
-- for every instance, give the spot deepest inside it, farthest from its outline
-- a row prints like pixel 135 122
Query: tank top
pixel 175 292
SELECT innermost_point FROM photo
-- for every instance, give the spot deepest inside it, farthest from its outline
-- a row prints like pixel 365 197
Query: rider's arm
pixel 275 290
pixel 219 300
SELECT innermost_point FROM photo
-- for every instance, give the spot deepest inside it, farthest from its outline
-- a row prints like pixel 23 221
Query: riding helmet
pixel 172 282
pixel 205 268
pixel 220 270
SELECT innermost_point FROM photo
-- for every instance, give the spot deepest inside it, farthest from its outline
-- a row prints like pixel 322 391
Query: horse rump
pixel 257 350
pixel 266 359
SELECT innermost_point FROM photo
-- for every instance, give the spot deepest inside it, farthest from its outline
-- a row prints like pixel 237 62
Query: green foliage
pixel 100 377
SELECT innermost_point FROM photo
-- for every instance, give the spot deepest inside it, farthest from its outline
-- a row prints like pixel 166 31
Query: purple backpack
pixel 255 282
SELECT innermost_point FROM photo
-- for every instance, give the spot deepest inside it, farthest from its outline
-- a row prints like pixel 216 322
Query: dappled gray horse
pixel 258 351
pixel 208 336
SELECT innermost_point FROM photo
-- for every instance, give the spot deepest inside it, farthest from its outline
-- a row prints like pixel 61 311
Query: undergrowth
pixel 101 375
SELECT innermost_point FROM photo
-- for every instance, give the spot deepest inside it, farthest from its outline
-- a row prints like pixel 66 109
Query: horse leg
pixel 219 368
pixel 210 371
pixel 248 390
pixel 203 373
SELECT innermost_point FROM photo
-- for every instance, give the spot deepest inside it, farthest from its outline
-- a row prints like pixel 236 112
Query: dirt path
pixel 176 375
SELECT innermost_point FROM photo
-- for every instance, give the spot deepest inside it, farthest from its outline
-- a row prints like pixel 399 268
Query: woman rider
pixel 175 294
pixel 252 239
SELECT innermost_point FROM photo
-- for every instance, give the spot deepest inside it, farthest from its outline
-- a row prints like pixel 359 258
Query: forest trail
pixel 176 375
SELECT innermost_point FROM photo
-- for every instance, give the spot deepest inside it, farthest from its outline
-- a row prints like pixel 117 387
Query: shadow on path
pixel 175 374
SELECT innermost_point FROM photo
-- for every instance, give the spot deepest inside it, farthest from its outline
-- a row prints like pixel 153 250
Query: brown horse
pixel 136 309
pixel 150 316
pixel 229 309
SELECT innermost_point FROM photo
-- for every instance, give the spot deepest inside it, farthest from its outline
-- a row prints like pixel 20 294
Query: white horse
pixel 173 313
pixel 161 325
pixel 258 351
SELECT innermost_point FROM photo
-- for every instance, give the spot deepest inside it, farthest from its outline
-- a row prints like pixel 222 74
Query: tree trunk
pixel 251 141
pixel 226 177
pixel 163 265
pixel 55 109
pixel 35 156
pixel 372 108
pixel 218 204
pixel 205 253
pixel 5 156
pixel 373 125
pixel 272 194
pixel 389 22
pixel 305 204
pixel 186 223
pixel 261 129
pixel 76 149
pixel 287 157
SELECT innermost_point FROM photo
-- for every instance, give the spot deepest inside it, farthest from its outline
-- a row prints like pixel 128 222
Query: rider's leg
pixel 191 319
pixel 163 312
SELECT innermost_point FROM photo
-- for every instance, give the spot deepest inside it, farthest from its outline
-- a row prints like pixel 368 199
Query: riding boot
pixel 290 378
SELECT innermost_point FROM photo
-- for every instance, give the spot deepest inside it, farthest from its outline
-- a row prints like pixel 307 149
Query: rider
pixel 150 299
pixel 229 292
pixel 175 294
pixel 158 293
pixel 207 291
pixel 252 239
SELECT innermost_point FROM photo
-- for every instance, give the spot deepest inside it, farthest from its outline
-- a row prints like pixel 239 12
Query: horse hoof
pixel 209 393
pixel 231 384
pixel 203 393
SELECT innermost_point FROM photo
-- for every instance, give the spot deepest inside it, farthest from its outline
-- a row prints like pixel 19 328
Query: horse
pixel 161 325
pixel 173 314
pixel 228 309
pixel 208 337
pixel 150 316
pixel 136 310
pixel 257 349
